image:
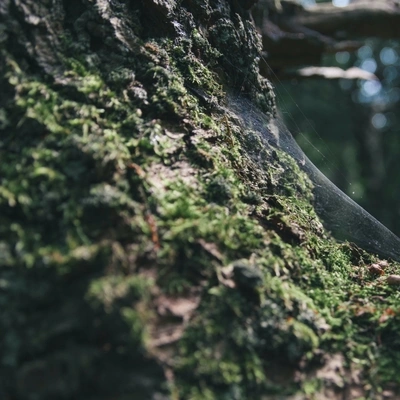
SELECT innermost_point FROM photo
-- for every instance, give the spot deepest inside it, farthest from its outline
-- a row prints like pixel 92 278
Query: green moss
pixel 131 183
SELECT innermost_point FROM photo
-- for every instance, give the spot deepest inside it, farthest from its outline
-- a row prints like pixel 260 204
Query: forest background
pixel 354 123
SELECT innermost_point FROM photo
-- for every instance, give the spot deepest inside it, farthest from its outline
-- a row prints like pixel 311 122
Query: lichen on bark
pixel 144 252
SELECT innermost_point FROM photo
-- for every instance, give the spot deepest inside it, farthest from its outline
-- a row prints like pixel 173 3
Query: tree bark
pixel 152 244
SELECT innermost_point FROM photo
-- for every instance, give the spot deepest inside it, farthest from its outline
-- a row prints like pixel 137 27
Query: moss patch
pixel 151 243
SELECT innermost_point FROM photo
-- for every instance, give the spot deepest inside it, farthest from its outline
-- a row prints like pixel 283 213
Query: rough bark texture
pixel 151 245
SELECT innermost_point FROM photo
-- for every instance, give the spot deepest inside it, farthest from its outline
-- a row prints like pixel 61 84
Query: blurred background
pixel 350 128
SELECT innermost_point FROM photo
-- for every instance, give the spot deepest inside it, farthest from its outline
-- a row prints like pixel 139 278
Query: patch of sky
pixel 307 3
pixel 340 3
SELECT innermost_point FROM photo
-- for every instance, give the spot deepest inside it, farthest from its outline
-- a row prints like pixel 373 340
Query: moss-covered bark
pixel 144 253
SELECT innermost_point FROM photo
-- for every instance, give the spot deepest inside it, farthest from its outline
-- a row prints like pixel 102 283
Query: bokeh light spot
pixel 388 56
pixel 371 88
pixel 369 65
pixel 379 121
pixel 342 57
pixel 364 52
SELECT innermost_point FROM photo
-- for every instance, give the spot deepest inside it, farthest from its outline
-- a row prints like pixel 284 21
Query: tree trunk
pixel 152 246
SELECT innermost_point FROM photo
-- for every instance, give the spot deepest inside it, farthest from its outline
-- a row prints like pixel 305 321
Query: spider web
pixel 341 215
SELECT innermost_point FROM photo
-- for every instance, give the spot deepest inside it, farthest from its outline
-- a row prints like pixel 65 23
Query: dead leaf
pixel 393 280
pixel 386 315
pixel 375 269
pixel 383 264
pixel 138 169
pixel 364 310
pixel 153 229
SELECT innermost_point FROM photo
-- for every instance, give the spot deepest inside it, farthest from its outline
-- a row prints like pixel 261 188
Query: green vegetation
pixel 130 203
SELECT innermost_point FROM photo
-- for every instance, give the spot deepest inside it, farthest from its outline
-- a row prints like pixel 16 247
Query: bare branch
pixel 336 73
pixel 380 18
pixel 294 36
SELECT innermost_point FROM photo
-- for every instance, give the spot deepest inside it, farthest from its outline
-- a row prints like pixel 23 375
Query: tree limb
pixel 358 19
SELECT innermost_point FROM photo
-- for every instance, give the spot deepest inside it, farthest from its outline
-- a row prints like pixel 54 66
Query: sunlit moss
pixel 129 185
